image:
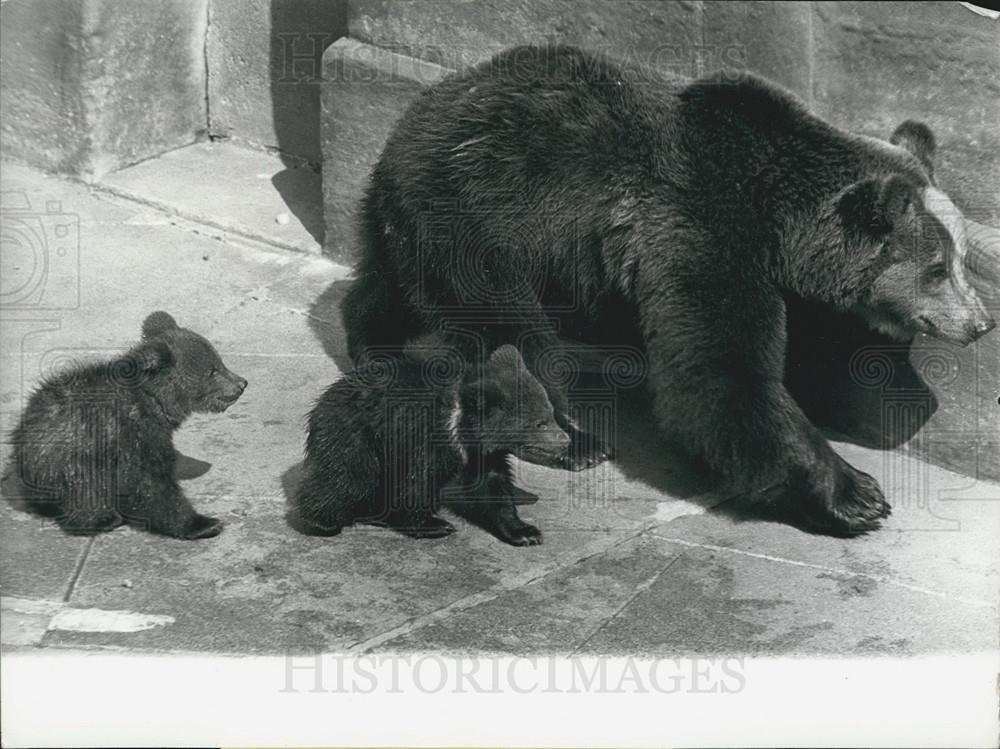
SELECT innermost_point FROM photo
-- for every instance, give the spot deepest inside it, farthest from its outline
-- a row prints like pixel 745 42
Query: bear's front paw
pixel 201 526
pixel 858 505
pixel 522 534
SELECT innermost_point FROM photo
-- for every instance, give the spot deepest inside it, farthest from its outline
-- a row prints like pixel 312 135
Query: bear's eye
pixel 212 373
pixel 541 424
pixel 937 272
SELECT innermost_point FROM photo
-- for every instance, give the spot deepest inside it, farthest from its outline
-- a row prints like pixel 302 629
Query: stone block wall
pixel 264 60
pixel 88 86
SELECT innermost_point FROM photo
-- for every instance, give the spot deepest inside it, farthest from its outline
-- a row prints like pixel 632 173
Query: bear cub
pixel 94 447
pixel 386 439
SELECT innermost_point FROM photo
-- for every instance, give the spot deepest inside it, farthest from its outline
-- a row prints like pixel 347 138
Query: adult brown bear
pixel 549 181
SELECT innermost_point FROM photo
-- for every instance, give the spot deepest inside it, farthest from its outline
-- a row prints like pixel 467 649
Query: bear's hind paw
pixel 430 526
pixel 90 523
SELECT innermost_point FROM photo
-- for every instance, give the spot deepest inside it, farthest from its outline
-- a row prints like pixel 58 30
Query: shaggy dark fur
pixel 550 182
pixel 94 448
pixel 387 438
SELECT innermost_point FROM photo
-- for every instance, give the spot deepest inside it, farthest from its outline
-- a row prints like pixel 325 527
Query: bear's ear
pixel 158 322
pixel 506 360
pixel 875 205
pixel 484 394
pixel 894 198
pixel 918 139
pixel 151 356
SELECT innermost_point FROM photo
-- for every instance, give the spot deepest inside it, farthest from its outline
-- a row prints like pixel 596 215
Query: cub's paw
pixel 309 528
pixel 90 523
pixel 521 534
pixel 201 526
pixel 585 451
pixel 429 527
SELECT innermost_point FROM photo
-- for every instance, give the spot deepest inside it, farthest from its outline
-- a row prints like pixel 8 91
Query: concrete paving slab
pixel 345 593
pixel 555 615
pixel 754 588
pixel 714 603
pixel 24 621
pixel 941 536
pixel 249 193
pixel 261 586
pixel 37 560
pixel 20 629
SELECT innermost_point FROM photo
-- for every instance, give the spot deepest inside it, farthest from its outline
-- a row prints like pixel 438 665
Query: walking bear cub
pixel 550 184
pixel 94 448
pixel 387 438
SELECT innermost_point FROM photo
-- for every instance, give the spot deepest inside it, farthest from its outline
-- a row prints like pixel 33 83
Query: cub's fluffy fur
pixel 388 437
pixel 94 448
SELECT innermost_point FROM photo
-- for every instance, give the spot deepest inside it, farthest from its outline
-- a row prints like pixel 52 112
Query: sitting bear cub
pixel 386 438
pixel 94 447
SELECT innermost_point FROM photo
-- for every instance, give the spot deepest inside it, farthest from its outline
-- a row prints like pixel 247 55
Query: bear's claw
pixel 585 451
pixel 522 535
pixel 859 507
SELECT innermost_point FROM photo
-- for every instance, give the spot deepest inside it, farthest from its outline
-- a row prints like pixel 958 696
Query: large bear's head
pixel 917 243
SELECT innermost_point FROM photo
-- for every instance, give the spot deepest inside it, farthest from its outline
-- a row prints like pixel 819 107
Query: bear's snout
pixel 233 388
pixel 558 439
pixel 983 327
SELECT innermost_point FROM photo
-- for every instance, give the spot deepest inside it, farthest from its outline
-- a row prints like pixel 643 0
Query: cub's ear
pixel 484 394
pixel 875 205
pixel 153 356
pixel 158 322
pixel 142 361
pixel 506 359
pixel 918 139
pixel 506 355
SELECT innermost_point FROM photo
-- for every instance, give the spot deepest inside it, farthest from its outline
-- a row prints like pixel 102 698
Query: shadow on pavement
pixel 327 326
pixel 300 33
pixel 189 468
pixel 301 187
